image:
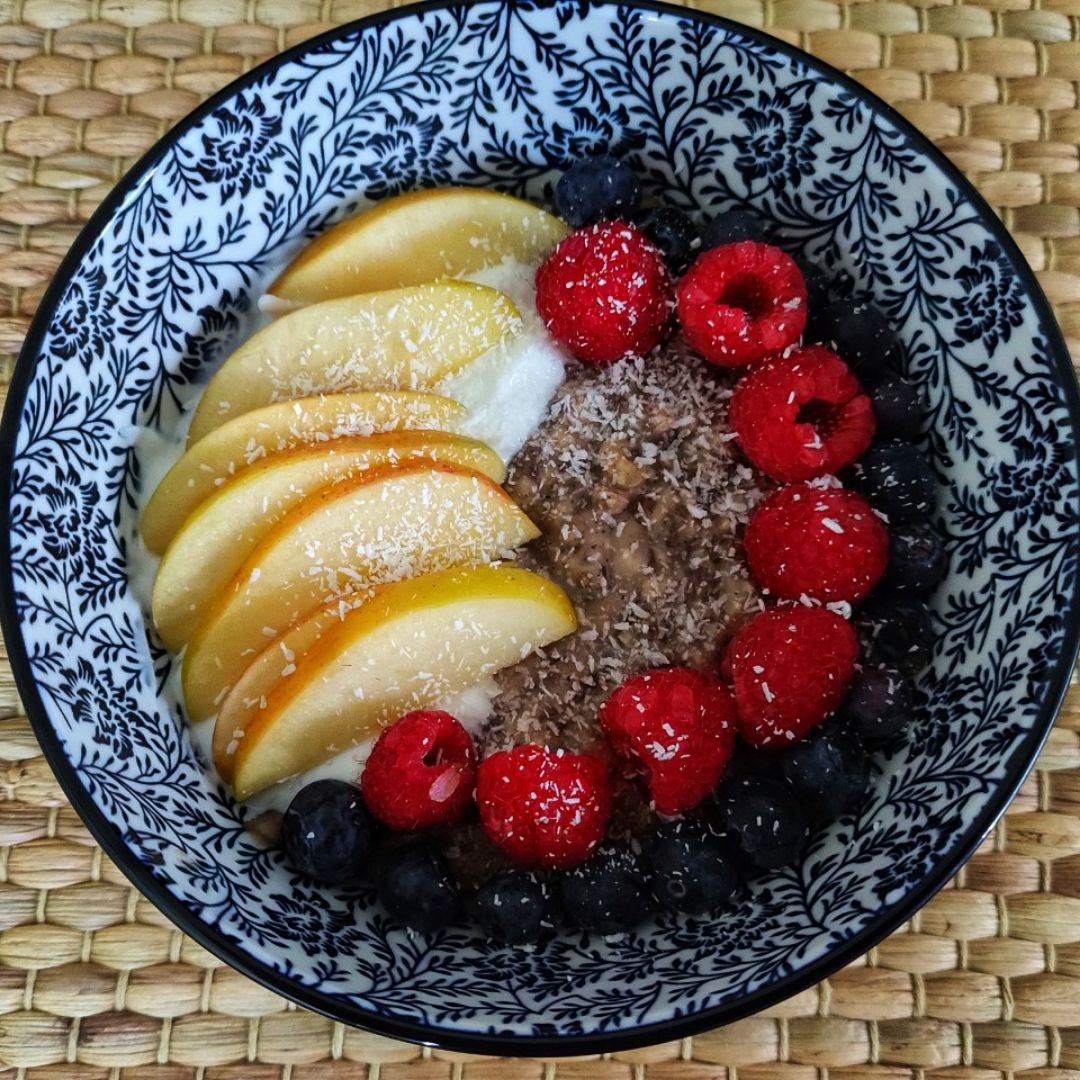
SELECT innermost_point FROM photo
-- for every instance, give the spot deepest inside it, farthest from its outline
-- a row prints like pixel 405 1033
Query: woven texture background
pixel 95 985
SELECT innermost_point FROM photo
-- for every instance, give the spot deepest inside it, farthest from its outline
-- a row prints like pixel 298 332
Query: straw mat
pixel 95 985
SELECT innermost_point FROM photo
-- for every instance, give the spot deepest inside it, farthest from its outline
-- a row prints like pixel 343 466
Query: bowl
pixel 710 114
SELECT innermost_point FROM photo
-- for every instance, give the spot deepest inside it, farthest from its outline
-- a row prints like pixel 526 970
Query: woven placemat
pixel 96 985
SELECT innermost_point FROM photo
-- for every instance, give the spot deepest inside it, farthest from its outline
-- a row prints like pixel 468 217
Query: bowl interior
pixel 499 95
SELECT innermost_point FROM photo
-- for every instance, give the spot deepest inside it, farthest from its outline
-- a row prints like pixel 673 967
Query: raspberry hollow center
pixel 820 415
pixel 746 292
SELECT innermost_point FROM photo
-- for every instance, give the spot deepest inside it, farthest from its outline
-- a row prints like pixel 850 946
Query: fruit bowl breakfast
pixel 547 576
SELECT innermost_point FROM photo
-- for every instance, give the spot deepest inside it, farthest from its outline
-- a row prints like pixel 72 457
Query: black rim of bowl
pixel 338 1008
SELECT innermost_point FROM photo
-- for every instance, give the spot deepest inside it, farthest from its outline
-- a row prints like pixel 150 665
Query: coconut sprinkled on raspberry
pixel 544 808
pixel 826 544
pixel 605 293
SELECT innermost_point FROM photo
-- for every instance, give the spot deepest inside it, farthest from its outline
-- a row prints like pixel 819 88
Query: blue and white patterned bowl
pixel 708 113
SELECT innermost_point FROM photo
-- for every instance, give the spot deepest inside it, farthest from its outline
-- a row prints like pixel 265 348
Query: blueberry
pixel 765 821
pixel 896 628
pixel 917 559
pixel 827 774
pixel 897 480
pixel 513 908
pixel 327 832
pixel 731 226
pixel 596 188
pixel 607 894
pixel 817 282
pixel 899 408
pixel 673 233
pixel 879 704
pixel 747 761
pixel 691 869
pixel 861 336
pixel 416 887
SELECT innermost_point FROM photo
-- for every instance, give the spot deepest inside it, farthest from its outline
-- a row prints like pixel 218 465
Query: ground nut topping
pixel 641 500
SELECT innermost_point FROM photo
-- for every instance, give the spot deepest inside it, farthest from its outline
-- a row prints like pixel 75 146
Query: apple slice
pixel 392 523
pixel 250 437
pixel 418 237
pixel 400 339
pixel 225 528
pixel 332 681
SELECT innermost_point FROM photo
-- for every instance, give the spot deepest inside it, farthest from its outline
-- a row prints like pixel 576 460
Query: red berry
pixel 790 668
pixel 421 772
pixel 676 727
pixel 742 302
pixel 605 293
pixel 802 415
pixel 824 543
pixel 543 808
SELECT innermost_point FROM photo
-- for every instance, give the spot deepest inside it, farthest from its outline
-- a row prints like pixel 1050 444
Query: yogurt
pixel 506 391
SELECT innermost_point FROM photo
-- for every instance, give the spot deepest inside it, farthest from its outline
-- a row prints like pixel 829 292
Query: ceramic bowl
pixel 709 114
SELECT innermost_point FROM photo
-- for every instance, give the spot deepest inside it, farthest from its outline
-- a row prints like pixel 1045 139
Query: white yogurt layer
pixel 506 391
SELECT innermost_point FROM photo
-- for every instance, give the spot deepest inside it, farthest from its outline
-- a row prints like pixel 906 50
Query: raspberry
pixel 605 293
pixel 677 728
pixel 420 772
pixel 824 543
pixel 543 808
pixel 741 302
pixel 802 415
pixel 790 668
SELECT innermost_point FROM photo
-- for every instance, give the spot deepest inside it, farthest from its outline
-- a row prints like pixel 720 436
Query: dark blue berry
pixel 861 336
pixel 827 775
pixel 673 233
pixel 595 189
pixel 416 887
pixel 897 480
pixel 917 559
pixel 765 821
pixel 513 909
pixel 747 761
pixel 817 282
pixel 327 832
pixel 899 408
pixel 732 226
pixel 879 704
pixel 607 894
pixel 896 628
pixel 692 870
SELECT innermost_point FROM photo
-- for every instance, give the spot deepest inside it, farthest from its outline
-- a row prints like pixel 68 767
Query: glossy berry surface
pixel 801 416
pixel 897 629
pixel 790 668
pixel 606 895
pixel 673 233
pixel 543 808
pixel 917 559
pixel 860 334
pixel 899 408
pixel 819 542
pixel 818 284
pixel 691 869
pixel 740 303
pixel 898 481
pixel 732 227
pixel 879 705
pixel 416 887
pixel 513 909
pixel 421 771
pixel 596 188
pixel 327 832
pixel 675 728
pixel 765 821
pixel 605 293
pixel 827 775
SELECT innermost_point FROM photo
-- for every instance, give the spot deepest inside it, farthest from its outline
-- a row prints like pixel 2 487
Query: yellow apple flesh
pixel 418 237
pixel 395 522
pixel 252 437
pixel 398 339
pixel 214 541
pixel 334 680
